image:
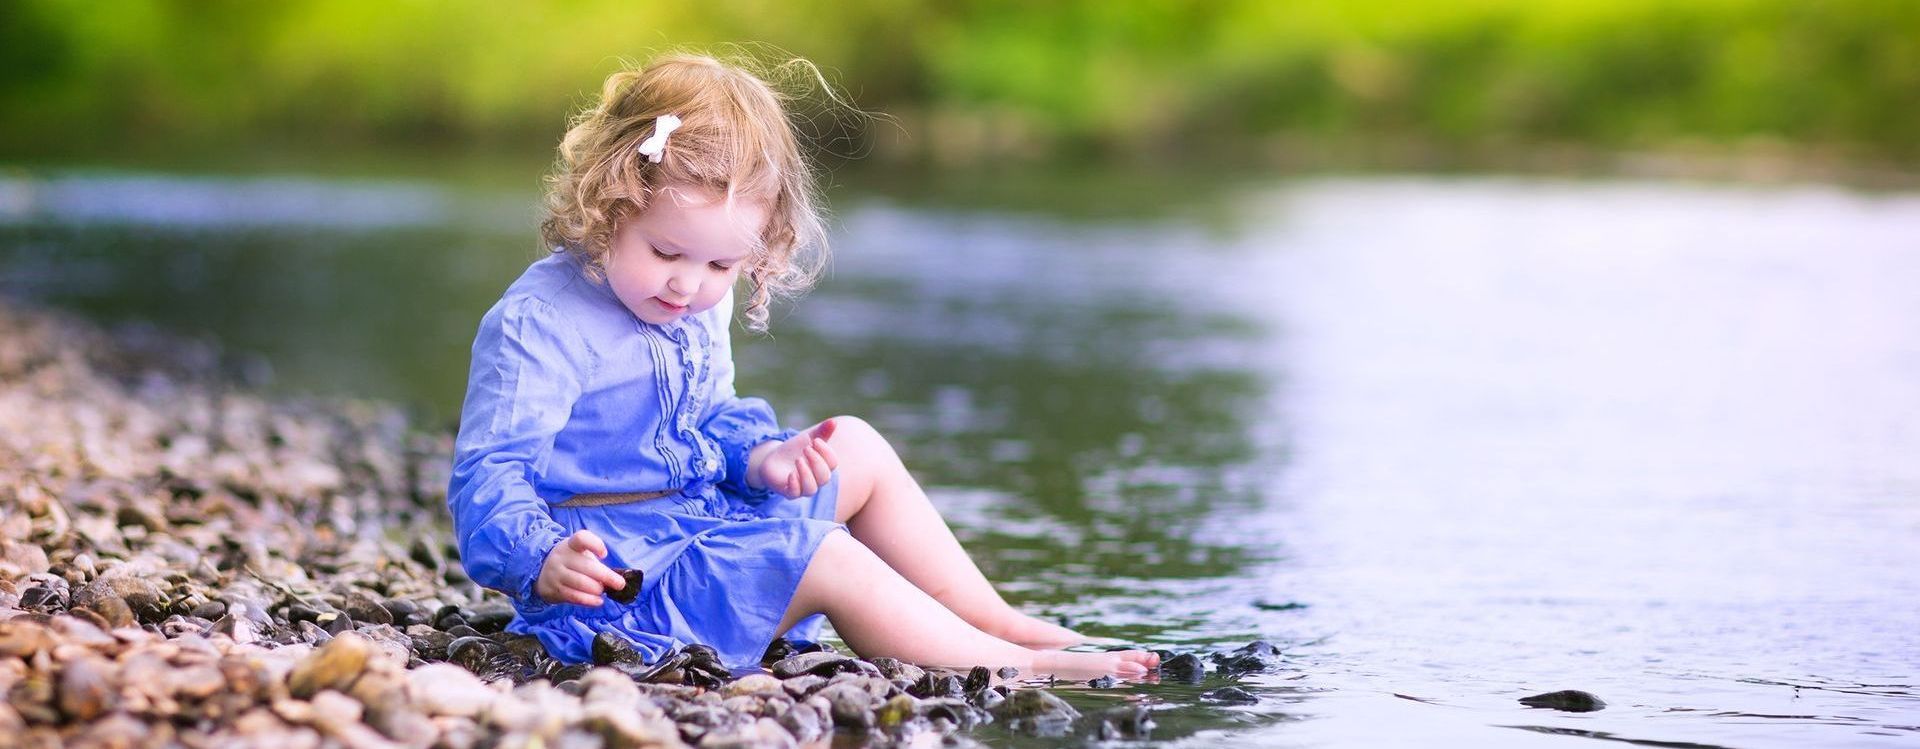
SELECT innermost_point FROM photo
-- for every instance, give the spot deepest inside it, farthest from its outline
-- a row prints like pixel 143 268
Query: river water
pixel 1449 442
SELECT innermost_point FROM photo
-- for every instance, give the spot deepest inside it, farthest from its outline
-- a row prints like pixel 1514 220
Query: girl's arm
pixel 737 424
pixel 528 368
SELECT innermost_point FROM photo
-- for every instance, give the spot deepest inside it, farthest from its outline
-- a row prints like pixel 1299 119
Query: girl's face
pixel 682 254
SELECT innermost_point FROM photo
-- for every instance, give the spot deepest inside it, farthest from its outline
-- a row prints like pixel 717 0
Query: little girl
pixel 601 430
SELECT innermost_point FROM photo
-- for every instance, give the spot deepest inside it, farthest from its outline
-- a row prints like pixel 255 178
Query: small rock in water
pixel 1230 696
pixel 937 685
pixel 1183 667
pixel 1008 672
pixel 1130 722
pixel 1258 655
pixel 1570 700
pixel 896 711
pixel 986 699
pixel 1037 711
pixel 1104 682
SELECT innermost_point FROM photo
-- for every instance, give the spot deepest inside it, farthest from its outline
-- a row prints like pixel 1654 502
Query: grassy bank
pixel 975 78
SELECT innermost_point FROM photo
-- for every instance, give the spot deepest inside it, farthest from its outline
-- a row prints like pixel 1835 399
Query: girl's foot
pixel 1130 664
pixel 1038 634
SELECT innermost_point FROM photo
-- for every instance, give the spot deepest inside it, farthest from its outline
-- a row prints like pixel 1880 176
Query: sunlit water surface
pixel 1449 442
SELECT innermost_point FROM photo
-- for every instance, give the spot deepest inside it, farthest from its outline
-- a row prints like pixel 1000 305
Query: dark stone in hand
pixel 1570 700
pixel 631 591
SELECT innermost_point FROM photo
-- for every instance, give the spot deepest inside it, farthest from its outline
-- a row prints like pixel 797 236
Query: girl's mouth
pixel 673 308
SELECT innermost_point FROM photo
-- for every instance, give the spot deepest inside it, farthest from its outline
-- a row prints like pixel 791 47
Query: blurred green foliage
pixel 1040 78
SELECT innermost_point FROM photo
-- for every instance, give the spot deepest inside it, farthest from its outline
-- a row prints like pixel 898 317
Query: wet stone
pixel 986 699
pixel 894 669
pixel 210 610
pixel 364 608
pixel 803 685
pixel 896 711
pixel 631 591
pixel 1258 655
pixel 405 612
pixel 1129 722
pixel 957 712
pixel 491 616
pixel 1229 696
pixel 427 553
pixel 1569 700
pixel 1037 711
pixel 336 623
pixel 755 684
pixel 848 705
pixel 817 663
pixel 1184 667
pixel 938 685
pixel 977 679
pixel 805 722
pixel 1104 682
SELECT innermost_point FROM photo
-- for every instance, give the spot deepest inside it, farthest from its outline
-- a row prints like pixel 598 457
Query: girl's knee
pixel 855 438
pixel 855 430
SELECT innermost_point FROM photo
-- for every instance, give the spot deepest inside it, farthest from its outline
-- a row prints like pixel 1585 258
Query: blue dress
pixel 570 393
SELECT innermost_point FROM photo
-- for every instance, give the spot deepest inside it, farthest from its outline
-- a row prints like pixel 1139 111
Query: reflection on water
pixel 1454 442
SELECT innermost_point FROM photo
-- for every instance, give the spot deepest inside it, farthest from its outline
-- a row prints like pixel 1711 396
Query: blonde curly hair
pixel 735 140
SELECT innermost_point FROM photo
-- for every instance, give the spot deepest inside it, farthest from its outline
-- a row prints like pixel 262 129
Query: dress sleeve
pixel 529 366
pixel 737 424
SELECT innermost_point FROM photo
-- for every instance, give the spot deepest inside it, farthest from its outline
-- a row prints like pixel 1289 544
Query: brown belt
pixel 601 500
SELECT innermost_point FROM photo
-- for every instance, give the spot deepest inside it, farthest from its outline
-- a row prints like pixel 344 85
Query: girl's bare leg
pixel 879 613
pixel 887 510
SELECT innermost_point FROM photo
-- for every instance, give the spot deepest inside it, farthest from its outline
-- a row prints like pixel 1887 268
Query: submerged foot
pixel 1131 664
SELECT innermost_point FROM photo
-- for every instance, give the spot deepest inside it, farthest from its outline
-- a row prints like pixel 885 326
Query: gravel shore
pixel 185 562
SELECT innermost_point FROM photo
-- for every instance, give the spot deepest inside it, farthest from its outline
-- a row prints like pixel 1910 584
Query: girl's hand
pixel 573 572
pixel 799 466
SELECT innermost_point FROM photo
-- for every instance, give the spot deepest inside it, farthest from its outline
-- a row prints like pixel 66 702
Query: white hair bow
pixel 656 144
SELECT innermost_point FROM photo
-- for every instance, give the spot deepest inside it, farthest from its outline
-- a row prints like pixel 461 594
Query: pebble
pixel 1569 700
pixel 1229 696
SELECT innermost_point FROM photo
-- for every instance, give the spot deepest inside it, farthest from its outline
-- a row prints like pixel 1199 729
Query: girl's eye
pixel 720 267
pixel 664 256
